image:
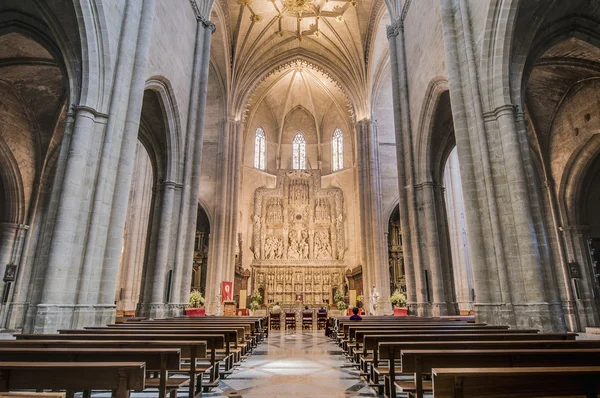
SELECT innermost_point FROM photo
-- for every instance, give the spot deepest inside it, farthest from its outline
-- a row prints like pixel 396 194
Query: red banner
pixel 226 291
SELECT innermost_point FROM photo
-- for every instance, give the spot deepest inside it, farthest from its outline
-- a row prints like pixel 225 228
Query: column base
pixel 16 316
pixel 444 309
pixel 49 318
pixel 160 310
pixel 547 317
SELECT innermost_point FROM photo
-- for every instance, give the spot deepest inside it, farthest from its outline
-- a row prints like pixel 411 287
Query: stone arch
pixel 495 52
pixel 249 82
pixel 174 150
pixel 433 95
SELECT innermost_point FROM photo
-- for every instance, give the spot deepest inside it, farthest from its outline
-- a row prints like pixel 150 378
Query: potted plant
pixel 196 307
pixel 398 300
pixel 254 306
pixel 338 298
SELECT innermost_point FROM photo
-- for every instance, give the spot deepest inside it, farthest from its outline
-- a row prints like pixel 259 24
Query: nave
pixel 294 364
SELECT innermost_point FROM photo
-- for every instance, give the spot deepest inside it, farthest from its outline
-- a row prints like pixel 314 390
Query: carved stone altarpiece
pixel 298 238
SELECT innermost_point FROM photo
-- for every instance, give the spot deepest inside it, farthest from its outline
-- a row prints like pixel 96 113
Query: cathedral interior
pixel 448 149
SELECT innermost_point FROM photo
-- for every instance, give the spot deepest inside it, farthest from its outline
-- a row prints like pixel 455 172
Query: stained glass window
pixel 337 144
pixel 299 152
pixel 259 149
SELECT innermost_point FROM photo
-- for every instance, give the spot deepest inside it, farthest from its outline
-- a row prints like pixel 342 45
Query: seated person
pixel 355 317
pixel 322 310
pixel 276 308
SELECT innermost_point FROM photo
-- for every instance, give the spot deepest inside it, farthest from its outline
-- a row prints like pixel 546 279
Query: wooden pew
pixel 162 360
pixel 232 336
pixel 73 376
pixel 213 342
pixel 391 350
pixel 516 382
pixel 191 351
pixel 420 362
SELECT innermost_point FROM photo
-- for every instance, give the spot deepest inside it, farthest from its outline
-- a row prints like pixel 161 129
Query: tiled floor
pixel 294 364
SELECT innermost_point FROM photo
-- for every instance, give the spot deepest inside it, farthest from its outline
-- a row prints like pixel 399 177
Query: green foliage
pixel 254 305
pixel 256 296
pixel 341 305
pixel 398 299
pixel 338 297
pixel 196 299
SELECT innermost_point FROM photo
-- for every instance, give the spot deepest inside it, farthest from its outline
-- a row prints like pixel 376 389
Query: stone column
pixel 222 257
pixel 376 264
pixel 402 127
pixel 189 203
pixel 58 293
pixel 124 175
pixel 133 256
pixel 432 244
pixel 489 270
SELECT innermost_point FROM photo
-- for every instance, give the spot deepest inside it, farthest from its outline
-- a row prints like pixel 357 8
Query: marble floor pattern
pixel 294 364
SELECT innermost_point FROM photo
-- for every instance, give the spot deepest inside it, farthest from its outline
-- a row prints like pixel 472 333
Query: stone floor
pixel 294 364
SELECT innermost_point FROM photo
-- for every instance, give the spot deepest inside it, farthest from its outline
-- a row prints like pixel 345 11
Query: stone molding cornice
pixel 90 110
pixel 428 184
pixel 170 184
pixel 503 110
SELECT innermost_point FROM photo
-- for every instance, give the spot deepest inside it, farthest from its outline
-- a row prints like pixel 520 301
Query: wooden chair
pixel 290 320
pixel 275 321
pixel 321 320
pixel 307 320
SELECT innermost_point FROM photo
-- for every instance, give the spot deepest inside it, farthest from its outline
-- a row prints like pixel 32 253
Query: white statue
pixel 374 296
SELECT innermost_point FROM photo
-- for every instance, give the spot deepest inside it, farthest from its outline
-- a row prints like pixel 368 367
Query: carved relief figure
pixel 303 245
pixel 273 248
pixel 322 245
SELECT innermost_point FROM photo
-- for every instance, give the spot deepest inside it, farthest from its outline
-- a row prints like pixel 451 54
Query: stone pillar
pixel 58 292
pixel 402 127
pixel 133 256
pixel 376 264
pixel 23 297
pixel 222 258
pixel 489 270
pixel 432 245
pixel 189 203
pixel 120 198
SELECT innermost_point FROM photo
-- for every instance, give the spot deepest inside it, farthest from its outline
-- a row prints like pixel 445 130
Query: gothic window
pixel 337 144
pixel 299 152
pixel 259 149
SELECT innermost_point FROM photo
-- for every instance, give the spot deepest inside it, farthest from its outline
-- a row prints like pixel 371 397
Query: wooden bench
pixel 32 395
pixel 213 342
pixel 391 350
pixel 73 376
pixel 162 360
pixel 228 353
pixel 516 382
pixel 420 362
pixel 190 351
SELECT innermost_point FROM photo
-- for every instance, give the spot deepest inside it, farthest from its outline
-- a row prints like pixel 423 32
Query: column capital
pixel 395 28
pixel 207 24
pixel 87 109
pixel 503 110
